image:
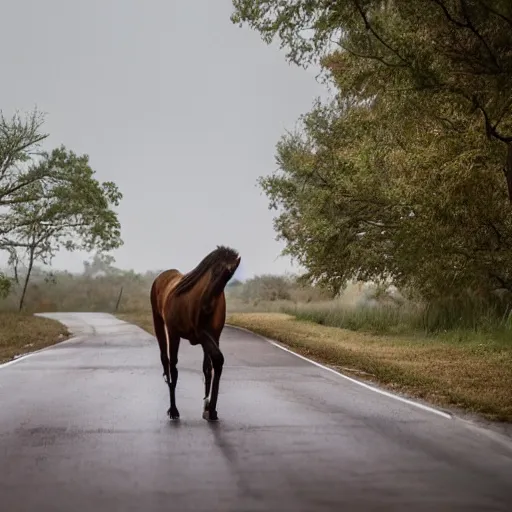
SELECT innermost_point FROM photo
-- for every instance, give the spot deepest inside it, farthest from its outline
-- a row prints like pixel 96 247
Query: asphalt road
pixel 83 427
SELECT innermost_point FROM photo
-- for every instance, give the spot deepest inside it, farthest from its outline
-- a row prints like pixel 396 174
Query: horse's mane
pixel 190 279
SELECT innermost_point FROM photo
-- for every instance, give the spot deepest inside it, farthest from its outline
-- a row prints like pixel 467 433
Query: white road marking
pixel 358 382
pixel 30 354
pixel 20 358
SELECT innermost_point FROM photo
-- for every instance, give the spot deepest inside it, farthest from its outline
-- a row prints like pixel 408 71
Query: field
pixel 22 333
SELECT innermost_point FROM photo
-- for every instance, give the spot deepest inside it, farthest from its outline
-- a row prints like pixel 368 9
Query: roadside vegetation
pixel 23 333
pixel 49 201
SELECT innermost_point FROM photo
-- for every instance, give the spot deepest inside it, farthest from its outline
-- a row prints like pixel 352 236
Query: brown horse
pixel 193 306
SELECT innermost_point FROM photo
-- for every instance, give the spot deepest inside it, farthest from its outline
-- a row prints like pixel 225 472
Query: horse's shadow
pixel 222 442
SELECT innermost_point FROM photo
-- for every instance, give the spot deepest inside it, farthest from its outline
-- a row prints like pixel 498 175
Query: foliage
pixel 355 207
pixel 96 288
pixel 50 200
pixel 401 175
pixel 269 288
pixel 435 47
pixel 5 285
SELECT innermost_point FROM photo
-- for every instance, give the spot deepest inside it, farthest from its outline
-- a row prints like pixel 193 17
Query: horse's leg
pixel 173 347
pixel 207 370
pixel 161 337
pixel 211 347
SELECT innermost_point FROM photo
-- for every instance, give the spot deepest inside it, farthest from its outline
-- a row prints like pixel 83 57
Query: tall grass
pixel 126 291
pixel 378 319
pixel 441 317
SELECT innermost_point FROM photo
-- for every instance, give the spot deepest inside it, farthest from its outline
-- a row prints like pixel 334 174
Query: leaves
pixel 401 175
pixel 50 200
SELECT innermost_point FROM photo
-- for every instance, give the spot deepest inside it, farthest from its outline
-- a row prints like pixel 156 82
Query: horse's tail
pixel 153 293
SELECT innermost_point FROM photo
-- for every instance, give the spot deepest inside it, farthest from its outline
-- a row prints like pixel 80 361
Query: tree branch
pixel 15 188
pixel 9 158
pixel 495 12
pixel 373 57
pixel 369 27
pixel 473 29
pixel 489 127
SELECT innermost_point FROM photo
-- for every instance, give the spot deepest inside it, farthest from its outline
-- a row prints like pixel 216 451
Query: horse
pixel 192 306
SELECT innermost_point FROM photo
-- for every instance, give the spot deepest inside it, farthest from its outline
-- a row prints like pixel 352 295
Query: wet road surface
pixel 83 427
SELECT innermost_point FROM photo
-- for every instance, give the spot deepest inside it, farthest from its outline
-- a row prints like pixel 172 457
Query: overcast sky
pixel 178 106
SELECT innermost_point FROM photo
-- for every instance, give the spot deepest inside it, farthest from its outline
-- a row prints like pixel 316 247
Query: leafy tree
pixel 101 264
pixel 400 175
pixel 351 207
pixel 455 50
pixel 51 200
pixel 267 287
pixel 19 139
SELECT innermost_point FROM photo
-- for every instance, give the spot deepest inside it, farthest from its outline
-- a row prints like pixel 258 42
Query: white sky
pixel 178 106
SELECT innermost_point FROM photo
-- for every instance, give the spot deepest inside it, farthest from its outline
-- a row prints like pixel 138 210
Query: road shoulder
pixel 22 333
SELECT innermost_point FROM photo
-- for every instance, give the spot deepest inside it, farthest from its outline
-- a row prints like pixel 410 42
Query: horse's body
pixel 193 307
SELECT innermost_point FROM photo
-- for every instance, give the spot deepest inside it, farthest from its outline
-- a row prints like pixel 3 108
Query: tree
pixel 19 139
pixel 400 175
pixel 51 200
pixel 101 264
pixel 352 207
pixel 445 49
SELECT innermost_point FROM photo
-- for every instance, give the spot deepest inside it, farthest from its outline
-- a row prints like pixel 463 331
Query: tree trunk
pixel 27 277
pixel 508 170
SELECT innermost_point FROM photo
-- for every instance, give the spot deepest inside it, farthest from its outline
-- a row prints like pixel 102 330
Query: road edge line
pixel 26 355
pixel 419 405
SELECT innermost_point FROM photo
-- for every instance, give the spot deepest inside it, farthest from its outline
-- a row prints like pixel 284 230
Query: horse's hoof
pixel 173 414
pixel 210 416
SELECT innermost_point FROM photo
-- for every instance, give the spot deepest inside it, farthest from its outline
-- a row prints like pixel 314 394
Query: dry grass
pixel 22 333
pixel 142 318
pixel 474 376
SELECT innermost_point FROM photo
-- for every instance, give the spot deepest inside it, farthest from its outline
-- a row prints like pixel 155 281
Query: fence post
pixel 118 299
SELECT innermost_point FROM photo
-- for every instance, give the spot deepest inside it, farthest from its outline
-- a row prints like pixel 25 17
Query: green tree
pixel 454 52
pixel 400 176
pixel 352 207
pixel 51 200
pixel 19 139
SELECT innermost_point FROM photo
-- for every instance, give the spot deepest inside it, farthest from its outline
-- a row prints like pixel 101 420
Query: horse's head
pixel 217 268
pixel 227 262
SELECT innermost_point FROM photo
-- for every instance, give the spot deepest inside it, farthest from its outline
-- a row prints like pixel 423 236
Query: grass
pixel 379 320
pixel 141 318
pixel 22 333
pixel 456 369
pixel 440 316
pixel 463 369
